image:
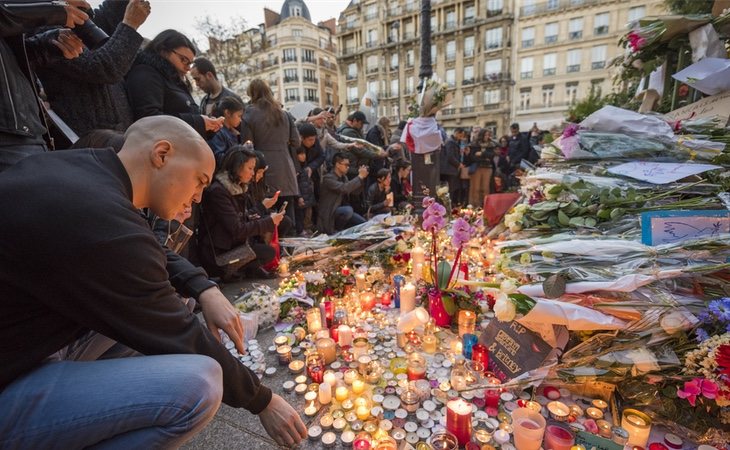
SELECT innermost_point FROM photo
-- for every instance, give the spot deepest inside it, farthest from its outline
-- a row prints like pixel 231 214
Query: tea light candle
pixel 604 428
pixel 339 424
pixel 429 343
pixel 347 437
pixel 314 432
pixel 558 411
pixel 283 354
pixel 407 298
pixel 314 320
pixel 326 421
pixel 341 393
pixel 358 386
pixel 638 425
pixel 310 410
pixel 327 348
pixel 325 393
pixel 345 335
pixel 600 404
pixel 362 363
pixel 350 376
pixel 363 412
pixel 458 420
pixel 281 340
pixel 501 437
pixel 594 413
pixel 329 439
pixel 296 366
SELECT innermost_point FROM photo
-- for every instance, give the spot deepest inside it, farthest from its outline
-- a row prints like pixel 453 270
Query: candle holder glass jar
pixel 443 440
pixel 437 310
pixel 467 322
pixel 416 366
pixel 386 443
pixel 314 320
pixel 638 425
pixel 362 442
pixel 315 366
pixel 410 400
pixel 459 375
pixel 475 369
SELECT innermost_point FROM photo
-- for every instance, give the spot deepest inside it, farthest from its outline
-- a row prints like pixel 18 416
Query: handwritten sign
pixel 590 440
pixel 513 349
pixel 714 106
pixel 667 227
pixel 660 173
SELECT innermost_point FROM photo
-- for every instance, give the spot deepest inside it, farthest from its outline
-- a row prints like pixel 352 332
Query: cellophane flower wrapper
pixel 262 300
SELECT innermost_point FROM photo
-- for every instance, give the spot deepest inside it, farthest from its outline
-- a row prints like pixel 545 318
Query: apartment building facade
pixel 562 50
pixel 379 46
pixel 297 57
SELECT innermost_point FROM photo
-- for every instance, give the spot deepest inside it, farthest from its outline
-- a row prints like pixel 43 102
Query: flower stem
pixel 456 264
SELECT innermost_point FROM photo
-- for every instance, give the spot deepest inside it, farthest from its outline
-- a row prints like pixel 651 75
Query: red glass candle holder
pixel 480 353
pixel 458 420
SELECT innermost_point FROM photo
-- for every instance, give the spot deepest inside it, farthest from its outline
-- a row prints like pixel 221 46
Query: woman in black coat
pixel 226 221
pixel 156 83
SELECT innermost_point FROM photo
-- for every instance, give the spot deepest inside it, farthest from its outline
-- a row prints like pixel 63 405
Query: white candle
pixel 358 386
pixel 417 271
pixel 638 425
pixel 413 319
pixel 407 298
pixel 344 335
pixel 330 378
pixel 325 393
pixel 350 376
pixel 418 255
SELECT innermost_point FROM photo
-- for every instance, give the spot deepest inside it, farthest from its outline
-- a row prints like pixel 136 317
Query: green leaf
pixel 555 190
pixel 563 218
pixel 444 270
pixel 590 222
pixel 449 304
pixel 577 221
pixel 545 206
pixel 604 214
pixel 616 213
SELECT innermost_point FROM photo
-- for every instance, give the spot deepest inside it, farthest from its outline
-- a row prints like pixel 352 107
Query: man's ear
pixel 161 153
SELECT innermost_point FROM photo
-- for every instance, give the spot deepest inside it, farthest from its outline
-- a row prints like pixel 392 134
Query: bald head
pixel 168 163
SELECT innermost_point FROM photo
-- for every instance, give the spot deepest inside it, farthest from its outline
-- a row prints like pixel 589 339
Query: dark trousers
pixel 346 217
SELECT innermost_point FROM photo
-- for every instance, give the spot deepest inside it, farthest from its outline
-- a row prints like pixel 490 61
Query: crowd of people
pixel 90 276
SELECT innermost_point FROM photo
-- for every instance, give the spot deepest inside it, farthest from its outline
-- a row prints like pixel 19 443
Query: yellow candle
pixel 341 393
pixel 456 347
pixel 314 320
pixel 429 343
pixel 363 412
pixel 361 401
pixel 358 386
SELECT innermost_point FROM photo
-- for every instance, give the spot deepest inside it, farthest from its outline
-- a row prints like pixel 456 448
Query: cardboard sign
pixel 513 349
pixel 659 172
pixel 668 227
pixel 714 106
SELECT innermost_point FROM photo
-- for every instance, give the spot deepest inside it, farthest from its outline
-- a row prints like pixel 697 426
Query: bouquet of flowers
pixel 263 301
pixel 433 97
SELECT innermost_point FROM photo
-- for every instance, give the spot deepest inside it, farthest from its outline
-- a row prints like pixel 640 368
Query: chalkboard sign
pixel 513 349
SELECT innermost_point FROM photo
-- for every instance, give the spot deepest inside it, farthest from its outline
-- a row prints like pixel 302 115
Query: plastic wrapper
pixel 263 301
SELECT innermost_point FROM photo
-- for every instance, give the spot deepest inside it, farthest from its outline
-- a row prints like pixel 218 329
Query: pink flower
pixel 428 201
pixel 433 222
pixel 698 386
pixel 571 130
pixel 462 232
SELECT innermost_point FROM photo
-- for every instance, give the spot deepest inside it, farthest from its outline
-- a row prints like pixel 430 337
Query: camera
pixel 92 36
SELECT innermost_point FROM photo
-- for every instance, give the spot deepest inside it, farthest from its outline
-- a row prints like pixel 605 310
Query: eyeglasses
pixel 184 59
pixel 346 164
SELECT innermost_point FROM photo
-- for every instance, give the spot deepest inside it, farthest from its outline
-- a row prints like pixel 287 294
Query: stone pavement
pixel 234 428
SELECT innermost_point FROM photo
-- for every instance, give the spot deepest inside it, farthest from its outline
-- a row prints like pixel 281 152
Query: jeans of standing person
pixel 480 186
pixel 346 217
pixel 303 216
pixel 133 402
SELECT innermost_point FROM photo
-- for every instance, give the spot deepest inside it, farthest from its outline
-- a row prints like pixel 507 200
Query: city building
pixel 297 58
pixel 562 50
pixel 379 46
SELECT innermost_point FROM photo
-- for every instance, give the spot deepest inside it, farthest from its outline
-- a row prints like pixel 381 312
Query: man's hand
pixel 356 145
pixel 220 314
pixel 309 171
pixel 363 172
pixel 70 45
pixel 282 422
pixel 74 14
pixel 212 123
pixel 136 13
pixel 277 217
pixel 271 201
pixel 300 202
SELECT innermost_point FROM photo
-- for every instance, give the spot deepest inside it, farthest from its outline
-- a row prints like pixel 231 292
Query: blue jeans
pixel 346 217
pixel 137 402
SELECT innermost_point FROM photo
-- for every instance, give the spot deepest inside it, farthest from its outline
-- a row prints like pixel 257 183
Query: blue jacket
pixel 222 141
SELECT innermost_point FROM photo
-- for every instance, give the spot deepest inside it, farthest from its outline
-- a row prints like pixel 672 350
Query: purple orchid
pixel 462 232
pixel 571 130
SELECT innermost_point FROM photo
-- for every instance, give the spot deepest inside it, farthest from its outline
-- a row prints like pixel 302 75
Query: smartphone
pixel 283 207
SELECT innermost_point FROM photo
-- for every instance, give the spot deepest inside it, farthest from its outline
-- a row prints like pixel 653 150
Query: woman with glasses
pixel 157 85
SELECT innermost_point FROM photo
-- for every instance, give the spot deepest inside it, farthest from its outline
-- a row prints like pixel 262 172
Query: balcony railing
pixel 490 106
pixel 603 29
pixel 548 72
pixel 450 25
pixel 467 82
pixel 372 69
pixel 448 112
pixel 268 63
pixel 573 68
pixel 469 52
pixel 573 35
pixel 291 79
pixel 551 39
pixel 353 100
pixel 466 109
pixel 349 51
pixel 527 43
pixel 311 99
pixel 493 45
pixel 595 65
pixel 351 76
pixel 371 16
pixel 371 44
pixel 496 76
pixel 394 11
pixel 291 99
pixel 310 80
pixel 554 5
pixel 287 59
pixel 450 56
pixel 493 12
pixel 526 75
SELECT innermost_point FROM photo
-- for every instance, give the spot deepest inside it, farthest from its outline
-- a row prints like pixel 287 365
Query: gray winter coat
pixel 331 193
pixel 274 141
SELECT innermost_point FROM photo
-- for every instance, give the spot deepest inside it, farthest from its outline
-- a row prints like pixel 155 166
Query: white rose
pixel 504 309
pixel 508 286
pixel 676 321
pixel 515 228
